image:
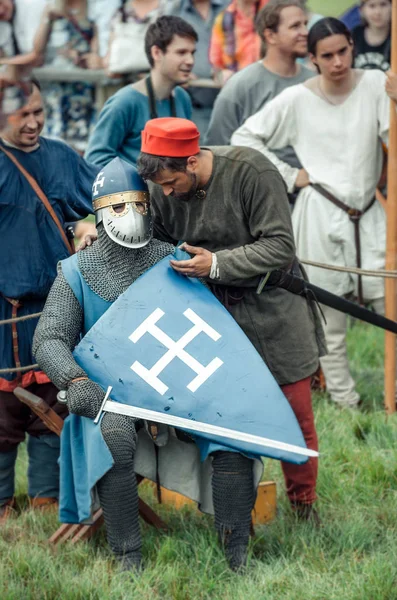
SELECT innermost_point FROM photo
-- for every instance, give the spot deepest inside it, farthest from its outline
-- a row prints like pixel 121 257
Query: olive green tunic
pixel 245 219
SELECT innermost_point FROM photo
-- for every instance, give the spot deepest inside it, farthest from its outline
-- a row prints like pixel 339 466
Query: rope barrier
pixel 365 272
pixel 19 369
pixel 18 319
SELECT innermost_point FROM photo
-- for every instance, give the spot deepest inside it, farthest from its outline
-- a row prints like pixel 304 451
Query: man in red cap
pixel 229 205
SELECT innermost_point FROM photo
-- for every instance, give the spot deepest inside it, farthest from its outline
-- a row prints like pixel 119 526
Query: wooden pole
pixel 391 237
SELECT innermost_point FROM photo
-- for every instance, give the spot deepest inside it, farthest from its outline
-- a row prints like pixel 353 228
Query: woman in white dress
pixel 336 123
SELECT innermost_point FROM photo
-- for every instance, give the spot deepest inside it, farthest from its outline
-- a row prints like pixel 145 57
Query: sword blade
pixel 198 426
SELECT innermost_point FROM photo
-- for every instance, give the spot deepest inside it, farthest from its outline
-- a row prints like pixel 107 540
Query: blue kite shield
pixel 169 346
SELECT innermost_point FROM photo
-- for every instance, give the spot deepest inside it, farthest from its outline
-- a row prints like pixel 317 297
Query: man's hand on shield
pixel 86 241
pixel 198 266
pixel 84 397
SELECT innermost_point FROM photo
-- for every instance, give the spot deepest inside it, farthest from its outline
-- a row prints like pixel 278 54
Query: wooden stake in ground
pixel 391 238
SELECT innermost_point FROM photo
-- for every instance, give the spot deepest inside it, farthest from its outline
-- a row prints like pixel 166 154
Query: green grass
pixel 352 557
pixel 330 8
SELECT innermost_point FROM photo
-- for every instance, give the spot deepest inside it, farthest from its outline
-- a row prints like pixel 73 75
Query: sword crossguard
pixel 106 398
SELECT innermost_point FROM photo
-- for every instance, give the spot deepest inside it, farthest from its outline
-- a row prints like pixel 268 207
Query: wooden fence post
pixel 391 238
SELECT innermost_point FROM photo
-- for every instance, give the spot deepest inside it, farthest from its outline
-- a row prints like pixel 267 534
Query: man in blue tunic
pixel 31 244
pixel 170 44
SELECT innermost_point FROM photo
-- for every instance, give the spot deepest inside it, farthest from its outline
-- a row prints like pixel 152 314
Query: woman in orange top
pixel 234 41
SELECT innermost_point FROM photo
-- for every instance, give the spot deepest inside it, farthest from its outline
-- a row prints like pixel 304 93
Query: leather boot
pixel 7 511
pixel 306 512
pixel 44 504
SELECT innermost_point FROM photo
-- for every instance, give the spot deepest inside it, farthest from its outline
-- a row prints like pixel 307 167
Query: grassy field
pixel 331 8
pixel 352 557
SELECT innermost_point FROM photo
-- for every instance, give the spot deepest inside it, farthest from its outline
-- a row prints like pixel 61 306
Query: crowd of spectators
pixel 67 35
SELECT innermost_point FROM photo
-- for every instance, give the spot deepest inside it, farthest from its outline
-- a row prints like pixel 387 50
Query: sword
pixel 298 285
pixel 352 309
pixel 196 426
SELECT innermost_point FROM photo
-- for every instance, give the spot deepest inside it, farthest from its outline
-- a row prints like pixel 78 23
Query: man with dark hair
pixel 282 26
pixel 229 206
pixel 31 245
pixel 170 45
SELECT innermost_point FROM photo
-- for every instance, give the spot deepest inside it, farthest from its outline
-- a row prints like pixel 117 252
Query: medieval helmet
pixel 120 198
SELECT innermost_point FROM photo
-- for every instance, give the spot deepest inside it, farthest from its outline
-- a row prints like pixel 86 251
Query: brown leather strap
pixel 354 215
pixel 40 408
pixel 33 183
pixel 15 341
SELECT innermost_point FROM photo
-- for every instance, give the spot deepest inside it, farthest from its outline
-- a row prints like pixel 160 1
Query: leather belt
pixel 354 216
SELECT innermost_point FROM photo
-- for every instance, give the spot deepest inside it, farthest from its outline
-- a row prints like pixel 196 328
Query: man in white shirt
pixel 335 122
pixel 6 37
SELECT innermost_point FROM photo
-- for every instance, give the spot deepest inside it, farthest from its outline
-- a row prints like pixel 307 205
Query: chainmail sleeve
pixel 57 334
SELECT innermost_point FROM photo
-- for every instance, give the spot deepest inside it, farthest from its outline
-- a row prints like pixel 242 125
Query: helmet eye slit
pixel 140 207
pixel 119 210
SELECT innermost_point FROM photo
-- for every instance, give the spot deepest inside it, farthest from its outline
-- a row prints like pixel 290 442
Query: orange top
pixel 234 41
pixel 170 136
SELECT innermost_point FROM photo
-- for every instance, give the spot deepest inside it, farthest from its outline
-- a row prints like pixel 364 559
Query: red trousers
pixel 300 480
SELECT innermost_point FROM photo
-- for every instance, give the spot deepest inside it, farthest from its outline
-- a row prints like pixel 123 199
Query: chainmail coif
pixel 109 269
pixel 234 496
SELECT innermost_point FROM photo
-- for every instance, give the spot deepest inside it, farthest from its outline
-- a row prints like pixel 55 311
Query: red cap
pixel 170 136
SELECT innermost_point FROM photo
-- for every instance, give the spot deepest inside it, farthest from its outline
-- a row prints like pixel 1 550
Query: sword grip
pixel 96 420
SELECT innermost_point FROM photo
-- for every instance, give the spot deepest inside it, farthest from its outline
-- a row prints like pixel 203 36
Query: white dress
pixel 340 148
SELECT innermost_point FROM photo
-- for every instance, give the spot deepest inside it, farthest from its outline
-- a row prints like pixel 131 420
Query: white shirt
pixel 340 148
pixel 26 22
pixel 101 13
pixel 6 42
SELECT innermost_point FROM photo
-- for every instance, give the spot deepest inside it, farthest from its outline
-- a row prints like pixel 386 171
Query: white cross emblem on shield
pixel 175 349
pixel 98 181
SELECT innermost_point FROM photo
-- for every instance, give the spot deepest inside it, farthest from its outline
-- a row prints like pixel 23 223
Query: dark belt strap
pixel 226 294
pixel 152 100
pixel 354 216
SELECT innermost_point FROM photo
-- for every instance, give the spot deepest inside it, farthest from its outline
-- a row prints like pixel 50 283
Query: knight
pixel 87 284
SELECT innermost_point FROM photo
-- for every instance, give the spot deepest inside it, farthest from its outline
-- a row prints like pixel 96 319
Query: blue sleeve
pixel 185 102
pixel 188 107
pixel 111 129
pixel 79 203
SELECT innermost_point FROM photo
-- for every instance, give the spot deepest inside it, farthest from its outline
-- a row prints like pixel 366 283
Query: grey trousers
pixel 335 365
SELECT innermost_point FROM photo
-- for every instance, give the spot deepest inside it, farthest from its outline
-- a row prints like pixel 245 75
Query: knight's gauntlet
pixel 84 397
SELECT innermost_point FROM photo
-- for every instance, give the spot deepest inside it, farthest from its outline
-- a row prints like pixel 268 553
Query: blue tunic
pixel 119 126
pixel 85 457
pixel 30 243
